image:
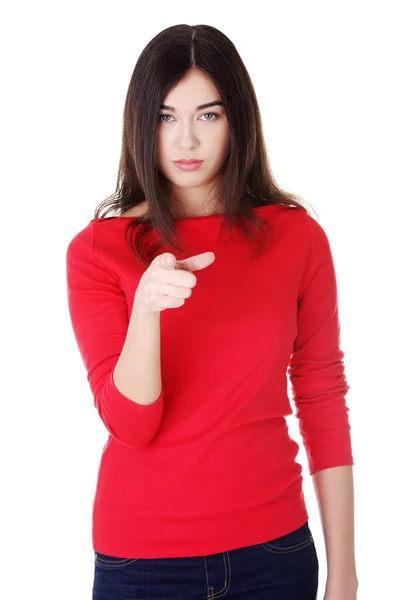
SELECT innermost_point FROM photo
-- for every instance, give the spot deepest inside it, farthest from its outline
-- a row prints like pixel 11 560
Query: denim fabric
pixel 282 569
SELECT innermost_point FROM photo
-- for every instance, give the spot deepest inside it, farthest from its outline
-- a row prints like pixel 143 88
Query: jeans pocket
pixel 112 562
pixel 291 542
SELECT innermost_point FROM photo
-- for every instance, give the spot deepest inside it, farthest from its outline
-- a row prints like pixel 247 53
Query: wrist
pixel 342 581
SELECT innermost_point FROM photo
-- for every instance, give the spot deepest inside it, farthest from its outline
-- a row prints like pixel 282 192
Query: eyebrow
pixel 200 107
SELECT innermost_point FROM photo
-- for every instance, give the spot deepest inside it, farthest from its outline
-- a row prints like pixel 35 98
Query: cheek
pixel 161 147
pixel 224 140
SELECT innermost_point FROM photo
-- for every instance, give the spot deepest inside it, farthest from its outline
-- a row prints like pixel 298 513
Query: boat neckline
pixel 182 219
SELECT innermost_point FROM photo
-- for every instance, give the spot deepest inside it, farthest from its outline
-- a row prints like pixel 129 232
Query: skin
pixel 187 133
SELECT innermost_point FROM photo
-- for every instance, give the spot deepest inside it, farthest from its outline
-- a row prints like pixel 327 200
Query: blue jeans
pixel 282 569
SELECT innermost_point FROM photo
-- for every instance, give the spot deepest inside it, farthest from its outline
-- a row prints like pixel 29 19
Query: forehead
pixel 195 89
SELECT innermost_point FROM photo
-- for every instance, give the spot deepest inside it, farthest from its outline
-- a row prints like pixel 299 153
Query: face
pixel 190 132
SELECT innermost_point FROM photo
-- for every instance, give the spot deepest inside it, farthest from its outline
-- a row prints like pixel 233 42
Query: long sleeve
pixel 99 317
pixel 316 368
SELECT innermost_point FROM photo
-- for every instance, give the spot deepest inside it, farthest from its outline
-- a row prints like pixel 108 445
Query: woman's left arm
pixel 319 387
pixel 334 489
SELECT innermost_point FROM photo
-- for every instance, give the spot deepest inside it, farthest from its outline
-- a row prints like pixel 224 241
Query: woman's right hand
pixel 167 284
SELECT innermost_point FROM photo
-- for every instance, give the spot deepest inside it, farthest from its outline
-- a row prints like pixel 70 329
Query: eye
pixel 211 113
pixel 161 117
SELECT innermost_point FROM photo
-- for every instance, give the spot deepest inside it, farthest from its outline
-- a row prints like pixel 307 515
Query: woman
pixel 199 494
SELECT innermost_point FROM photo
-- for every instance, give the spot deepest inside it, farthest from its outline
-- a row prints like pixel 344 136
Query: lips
pixel 186 161
pixel 188 165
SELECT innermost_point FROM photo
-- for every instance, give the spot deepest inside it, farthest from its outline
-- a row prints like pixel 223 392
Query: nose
pixel 186 137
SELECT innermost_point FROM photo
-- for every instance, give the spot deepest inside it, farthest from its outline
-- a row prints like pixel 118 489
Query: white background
pixel 325 75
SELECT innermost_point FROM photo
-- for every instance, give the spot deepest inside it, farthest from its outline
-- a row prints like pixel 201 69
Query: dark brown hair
pixel 245 179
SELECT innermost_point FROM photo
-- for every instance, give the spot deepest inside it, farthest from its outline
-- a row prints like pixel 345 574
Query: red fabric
pixel 210 466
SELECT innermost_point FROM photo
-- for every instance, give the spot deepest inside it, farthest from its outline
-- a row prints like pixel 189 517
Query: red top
pixel 210 466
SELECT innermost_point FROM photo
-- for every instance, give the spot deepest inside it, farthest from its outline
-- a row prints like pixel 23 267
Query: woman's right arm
pixel 131 405
pixel 137 373
pixel 103 330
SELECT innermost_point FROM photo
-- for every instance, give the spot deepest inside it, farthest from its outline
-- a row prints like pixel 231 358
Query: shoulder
pixel 83 240
pixel 300 219
pixel 136 211
pixel 288 222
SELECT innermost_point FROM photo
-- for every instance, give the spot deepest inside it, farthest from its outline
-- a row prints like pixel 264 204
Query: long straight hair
pixel 245 179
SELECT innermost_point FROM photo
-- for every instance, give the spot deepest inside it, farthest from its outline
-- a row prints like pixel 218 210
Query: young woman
pixel 199 495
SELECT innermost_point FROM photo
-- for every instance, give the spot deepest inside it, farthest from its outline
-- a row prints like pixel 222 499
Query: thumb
pixel 169 260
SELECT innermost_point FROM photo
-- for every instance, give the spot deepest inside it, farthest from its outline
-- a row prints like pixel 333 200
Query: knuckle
pixel 153 274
